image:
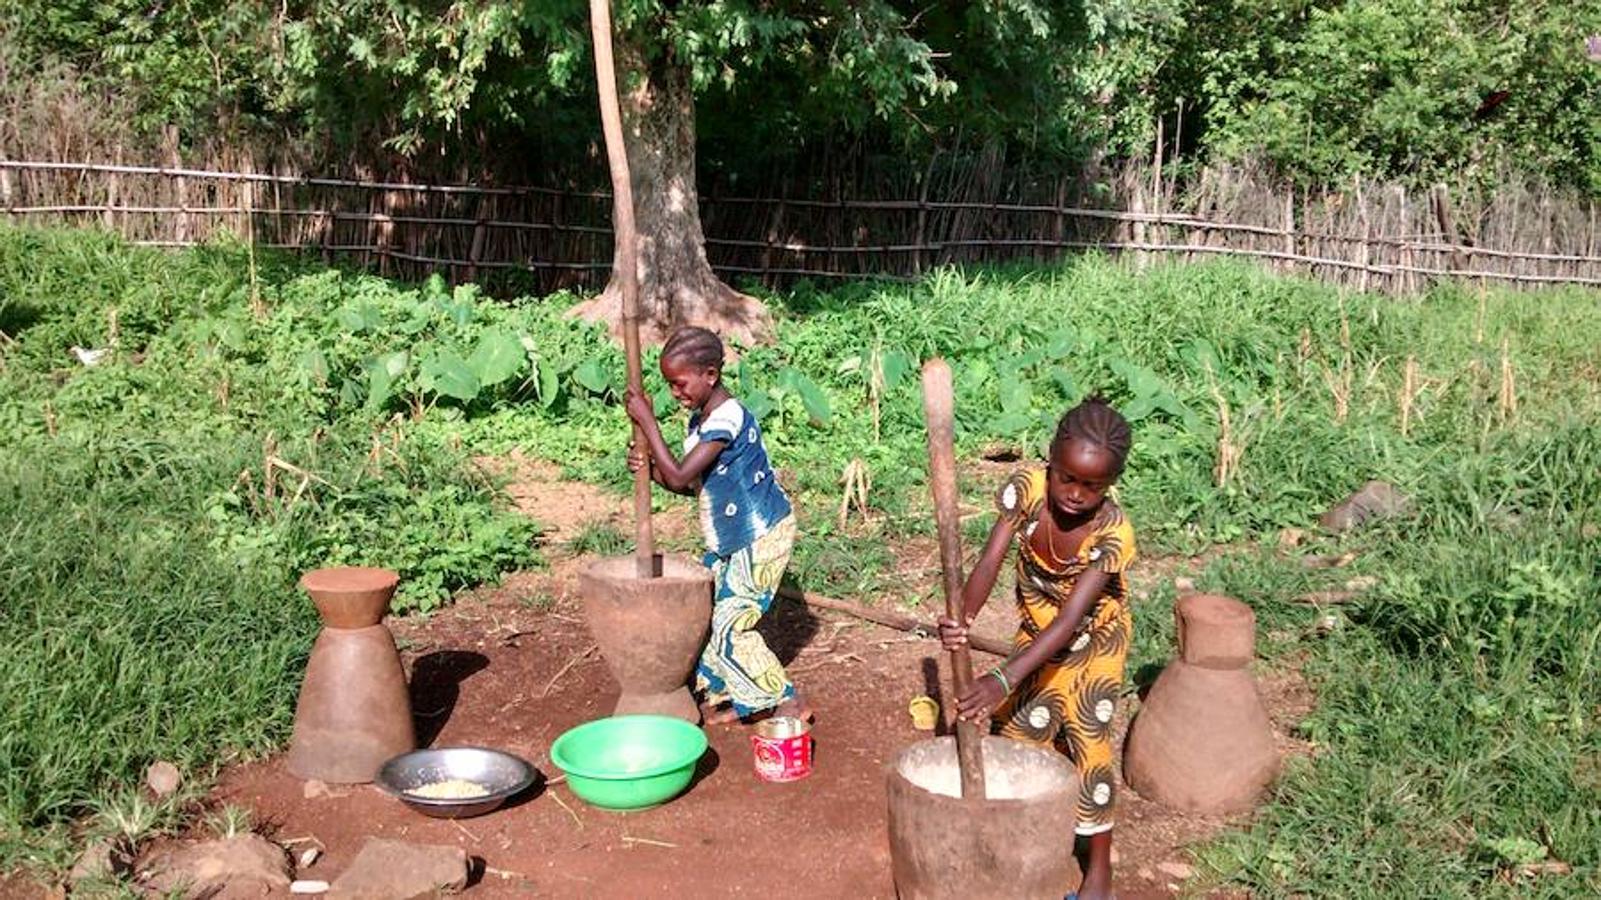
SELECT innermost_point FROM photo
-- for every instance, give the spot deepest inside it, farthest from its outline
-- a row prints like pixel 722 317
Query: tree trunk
pixel 676 283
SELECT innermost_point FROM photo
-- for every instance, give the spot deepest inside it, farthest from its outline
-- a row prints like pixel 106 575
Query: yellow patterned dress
pixel 1069 702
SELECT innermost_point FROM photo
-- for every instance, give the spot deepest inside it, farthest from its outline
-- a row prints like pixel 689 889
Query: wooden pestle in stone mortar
pixel 939 414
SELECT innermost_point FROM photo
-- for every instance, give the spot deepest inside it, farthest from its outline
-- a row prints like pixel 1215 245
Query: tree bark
pixel 676 283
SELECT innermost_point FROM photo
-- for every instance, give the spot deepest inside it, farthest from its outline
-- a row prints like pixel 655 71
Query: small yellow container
pixel 925 712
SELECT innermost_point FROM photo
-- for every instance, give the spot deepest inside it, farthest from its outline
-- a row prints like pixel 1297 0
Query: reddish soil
pixel 512 667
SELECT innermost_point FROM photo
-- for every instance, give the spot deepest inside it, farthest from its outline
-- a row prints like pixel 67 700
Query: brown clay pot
pixel 354 712
pixel 350 596
pixel 1202 741
pixel 651 631
pixel 1015 843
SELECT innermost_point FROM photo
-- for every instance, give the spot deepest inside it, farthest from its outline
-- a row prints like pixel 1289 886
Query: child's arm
pixel 987 692
pixel 980 582
pixel 678 476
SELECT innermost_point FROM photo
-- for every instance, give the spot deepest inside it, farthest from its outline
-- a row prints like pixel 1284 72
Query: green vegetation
pixel 147 569
pixel 156 508
pixel 1416 90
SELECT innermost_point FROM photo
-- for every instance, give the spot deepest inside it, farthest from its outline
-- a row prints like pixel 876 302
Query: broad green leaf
pixel 548 383
pixel 1061 344
pixel 380 386
pixel 447 373
pixel 896 364
pixel 1010 424
pixel 1068 385
pixel 1142 382
pixel 592 376
pixel 458 312
pixel 1139 408
pixel 813 398
pixel 498 356
pixel 760 404
pixel 395 363
pixel 1015 395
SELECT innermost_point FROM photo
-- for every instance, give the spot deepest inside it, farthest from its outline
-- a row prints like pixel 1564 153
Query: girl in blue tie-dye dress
pixel 747 520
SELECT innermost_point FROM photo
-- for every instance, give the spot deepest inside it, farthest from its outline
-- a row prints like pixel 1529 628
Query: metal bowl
pixel 503 774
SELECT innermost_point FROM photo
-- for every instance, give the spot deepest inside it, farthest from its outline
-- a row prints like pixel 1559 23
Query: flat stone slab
pixel 396 870
pixel 246 865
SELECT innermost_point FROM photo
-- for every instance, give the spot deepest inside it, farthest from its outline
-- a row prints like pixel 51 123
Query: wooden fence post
pixel 1137 225
pixel 922 215
pixel 1157 231
pixel 1288 246
pixel 327 228
pixel 108 218
pixel 7 197
pixel 180 186
pixel 480 231
pixel 386 234
pixel 1367 236
pixel 1059 228
pixel 1447 221
pixel 1408 277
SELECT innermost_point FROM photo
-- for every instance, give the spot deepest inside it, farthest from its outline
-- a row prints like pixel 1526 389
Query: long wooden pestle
pixel 938 412
pixel 627 268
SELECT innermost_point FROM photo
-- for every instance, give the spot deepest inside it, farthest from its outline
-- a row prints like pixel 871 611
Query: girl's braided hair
pixel 1097 422
pixel 695 345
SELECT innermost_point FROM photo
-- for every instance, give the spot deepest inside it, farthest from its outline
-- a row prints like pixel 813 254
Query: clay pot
pixel 350 596
pixel 1015 843
pixel 354 712
pixel 651 630
pixel 1202 741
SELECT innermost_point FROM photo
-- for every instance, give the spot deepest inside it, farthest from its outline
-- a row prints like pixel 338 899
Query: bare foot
pixel 715 715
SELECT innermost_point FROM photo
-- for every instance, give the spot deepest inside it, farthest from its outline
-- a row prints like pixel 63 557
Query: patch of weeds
pixel 538 601
pixel 229 821
pixel 600 538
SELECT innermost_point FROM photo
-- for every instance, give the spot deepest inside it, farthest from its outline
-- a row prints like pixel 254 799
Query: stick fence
pixel 1373 237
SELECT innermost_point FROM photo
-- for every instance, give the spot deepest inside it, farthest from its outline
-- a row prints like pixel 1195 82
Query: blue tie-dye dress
pixel 749 526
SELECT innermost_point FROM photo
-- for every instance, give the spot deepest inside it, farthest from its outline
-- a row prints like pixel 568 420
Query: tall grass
pixel 157 507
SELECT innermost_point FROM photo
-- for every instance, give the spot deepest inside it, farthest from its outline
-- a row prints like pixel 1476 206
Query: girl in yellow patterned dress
pixel 1060 685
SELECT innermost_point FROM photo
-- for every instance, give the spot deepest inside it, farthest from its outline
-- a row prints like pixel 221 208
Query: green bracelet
pixel 1001 677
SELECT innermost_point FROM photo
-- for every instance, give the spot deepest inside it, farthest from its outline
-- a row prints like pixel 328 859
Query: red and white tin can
pixel 783 749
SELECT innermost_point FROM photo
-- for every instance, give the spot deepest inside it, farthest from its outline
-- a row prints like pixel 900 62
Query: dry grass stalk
pixel 1478 316
pixel 1339 385
pixel 386 443
pixel 1508 400
pixel 1229 447
pixel 875 384
pixel 1408 395
pixel 858 481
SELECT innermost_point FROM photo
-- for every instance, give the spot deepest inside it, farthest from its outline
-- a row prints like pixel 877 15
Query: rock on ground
pixel 163 778
pixel 1376 500
pixel 246 865
pixel 1176 870
pixel 103 860
pixel 396 870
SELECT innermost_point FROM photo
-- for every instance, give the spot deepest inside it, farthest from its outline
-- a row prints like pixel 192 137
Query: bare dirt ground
pixel 513 666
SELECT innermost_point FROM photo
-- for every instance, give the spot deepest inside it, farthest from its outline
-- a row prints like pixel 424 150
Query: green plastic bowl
pixel 629 762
